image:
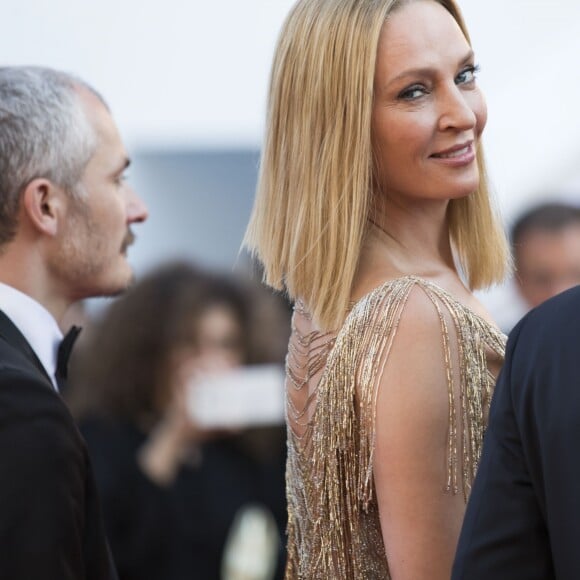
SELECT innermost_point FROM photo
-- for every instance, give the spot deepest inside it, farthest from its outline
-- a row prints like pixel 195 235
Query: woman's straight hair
pixel 315 188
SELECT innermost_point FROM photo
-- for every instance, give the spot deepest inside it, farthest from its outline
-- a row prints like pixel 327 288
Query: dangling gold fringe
pixel 333 528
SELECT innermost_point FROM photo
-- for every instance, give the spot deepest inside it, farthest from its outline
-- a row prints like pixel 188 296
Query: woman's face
pixel 220 341
pixel 428 111
pixel 216 344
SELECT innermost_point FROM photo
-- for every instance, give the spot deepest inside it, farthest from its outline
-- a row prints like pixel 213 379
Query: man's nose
pixel 137 211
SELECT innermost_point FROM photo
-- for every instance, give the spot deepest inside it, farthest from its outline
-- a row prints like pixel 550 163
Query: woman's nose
pixel 456 111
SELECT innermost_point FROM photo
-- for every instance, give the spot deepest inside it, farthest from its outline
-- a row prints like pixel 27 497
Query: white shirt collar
pixel 36 324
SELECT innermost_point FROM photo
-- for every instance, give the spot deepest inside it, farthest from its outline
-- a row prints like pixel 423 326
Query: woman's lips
pixel 459 155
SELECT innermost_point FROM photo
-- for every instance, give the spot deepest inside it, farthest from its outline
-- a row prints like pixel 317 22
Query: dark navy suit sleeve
pixel 523 516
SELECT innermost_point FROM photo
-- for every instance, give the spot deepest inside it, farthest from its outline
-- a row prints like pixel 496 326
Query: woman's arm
pixel 420 521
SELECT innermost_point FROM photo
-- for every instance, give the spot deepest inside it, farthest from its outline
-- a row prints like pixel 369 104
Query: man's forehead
pixel 99 116
pixel 91 103
pixel 89 95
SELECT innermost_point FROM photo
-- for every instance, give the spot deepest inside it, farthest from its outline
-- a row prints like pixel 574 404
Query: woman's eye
pixel 467 75
pixel 412 93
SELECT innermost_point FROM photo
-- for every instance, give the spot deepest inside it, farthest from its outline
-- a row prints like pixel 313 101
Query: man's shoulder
pixel 32 411
pixel 558 315
pixel 25 393
pixel 546 342
pixel 15 363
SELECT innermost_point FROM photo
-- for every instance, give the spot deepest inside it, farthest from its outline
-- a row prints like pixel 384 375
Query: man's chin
pixel 121 285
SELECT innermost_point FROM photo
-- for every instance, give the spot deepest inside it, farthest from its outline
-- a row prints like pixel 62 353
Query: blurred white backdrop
pixel 179 72
pixel 194 74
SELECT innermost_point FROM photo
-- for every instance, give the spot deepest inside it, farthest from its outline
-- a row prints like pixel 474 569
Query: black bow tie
pixel 64 350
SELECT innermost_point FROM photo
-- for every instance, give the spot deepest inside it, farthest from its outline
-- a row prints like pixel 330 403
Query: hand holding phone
pixel 248 396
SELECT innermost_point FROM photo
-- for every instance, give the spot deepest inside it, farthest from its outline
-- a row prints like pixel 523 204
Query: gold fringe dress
pixel 334 530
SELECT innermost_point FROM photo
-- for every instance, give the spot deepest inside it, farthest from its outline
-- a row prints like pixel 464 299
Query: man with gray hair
pixel 65 217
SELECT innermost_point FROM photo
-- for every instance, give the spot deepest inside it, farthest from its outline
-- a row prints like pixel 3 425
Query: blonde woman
pixel 373 214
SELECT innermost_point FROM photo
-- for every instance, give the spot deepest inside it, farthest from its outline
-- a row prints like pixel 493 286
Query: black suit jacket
pixel 50 521
pixel 523 516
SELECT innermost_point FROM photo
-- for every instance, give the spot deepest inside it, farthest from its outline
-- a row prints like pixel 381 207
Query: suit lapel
pixel 10 333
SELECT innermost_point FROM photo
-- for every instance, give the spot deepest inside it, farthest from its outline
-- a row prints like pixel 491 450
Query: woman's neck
pixel 407 241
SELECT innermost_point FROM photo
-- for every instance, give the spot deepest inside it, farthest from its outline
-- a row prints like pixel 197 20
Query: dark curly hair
pixel 122 365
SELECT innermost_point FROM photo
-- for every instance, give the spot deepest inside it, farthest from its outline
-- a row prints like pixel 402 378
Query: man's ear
pixel 43 205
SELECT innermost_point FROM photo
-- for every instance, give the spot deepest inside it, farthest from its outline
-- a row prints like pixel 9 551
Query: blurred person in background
pixel 65 228
pixel 171 490
pixel 546 248
pixel 545 242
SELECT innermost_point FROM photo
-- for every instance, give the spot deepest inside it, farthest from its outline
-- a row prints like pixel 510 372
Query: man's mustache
pixel 128 240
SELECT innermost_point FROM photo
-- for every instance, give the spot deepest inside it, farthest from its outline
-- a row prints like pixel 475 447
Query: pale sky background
pixel 193 74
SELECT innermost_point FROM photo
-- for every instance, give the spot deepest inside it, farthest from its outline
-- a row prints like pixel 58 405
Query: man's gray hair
pixel 44 132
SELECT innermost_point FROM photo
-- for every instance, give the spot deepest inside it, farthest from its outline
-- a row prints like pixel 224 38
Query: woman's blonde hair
pixel 314 194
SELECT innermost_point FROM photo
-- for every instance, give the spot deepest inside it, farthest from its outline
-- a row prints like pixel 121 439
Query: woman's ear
pixel 43 204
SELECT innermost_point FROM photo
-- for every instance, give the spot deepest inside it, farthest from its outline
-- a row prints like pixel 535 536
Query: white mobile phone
pixel 244 397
